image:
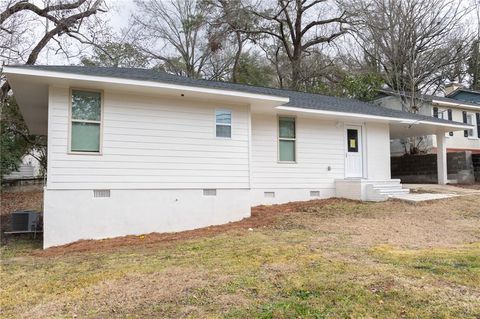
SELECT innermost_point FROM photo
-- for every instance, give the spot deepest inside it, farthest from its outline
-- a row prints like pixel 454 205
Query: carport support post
pixel 441 159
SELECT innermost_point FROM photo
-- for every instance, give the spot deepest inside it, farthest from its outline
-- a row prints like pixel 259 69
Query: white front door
pixel 354 154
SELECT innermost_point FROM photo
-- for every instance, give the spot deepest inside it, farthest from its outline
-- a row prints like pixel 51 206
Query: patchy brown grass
pixel 475 186
pixel 320 259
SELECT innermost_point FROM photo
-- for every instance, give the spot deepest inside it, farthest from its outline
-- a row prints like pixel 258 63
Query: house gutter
pixel 452 125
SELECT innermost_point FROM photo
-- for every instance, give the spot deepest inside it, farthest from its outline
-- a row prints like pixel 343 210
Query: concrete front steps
pixel 369 190
pixel 382 190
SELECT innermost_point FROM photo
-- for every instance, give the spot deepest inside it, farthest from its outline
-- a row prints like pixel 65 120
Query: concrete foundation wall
pixel 423 168
pixel 271 196
pixel 71 215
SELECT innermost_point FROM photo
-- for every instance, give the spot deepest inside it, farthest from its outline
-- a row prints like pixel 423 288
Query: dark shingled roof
pixel 297 99
pixel 462 89
pixel 430 98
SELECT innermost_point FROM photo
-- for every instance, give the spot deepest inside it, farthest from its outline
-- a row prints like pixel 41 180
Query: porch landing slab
pixel 416 198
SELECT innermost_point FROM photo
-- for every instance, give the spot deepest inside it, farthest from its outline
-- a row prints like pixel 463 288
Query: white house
pixel 449 108
pixel 133 151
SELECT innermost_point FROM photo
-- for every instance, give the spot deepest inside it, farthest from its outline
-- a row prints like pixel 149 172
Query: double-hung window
pixel 286 139
pixel 471 121
pixel 443 114
pixel 86 121
pixel 223 123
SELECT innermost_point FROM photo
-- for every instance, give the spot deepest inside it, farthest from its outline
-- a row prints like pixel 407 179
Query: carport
pixel 414 128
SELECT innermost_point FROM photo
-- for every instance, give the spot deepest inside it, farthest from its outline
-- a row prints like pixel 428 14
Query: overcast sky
pixel 120 12
pixel 118 17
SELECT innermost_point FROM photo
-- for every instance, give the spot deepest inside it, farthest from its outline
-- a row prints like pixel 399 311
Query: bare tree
pixel 300 26
pixel 414 43
pixel 473 67
pixel 61 18
pixel 176 34
pixel 229 17
pixel 27 29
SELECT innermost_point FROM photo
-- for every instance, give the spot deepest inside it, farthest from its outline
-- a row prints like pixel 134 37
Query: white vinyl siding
pixel 458 141
pixel 150 142
pixel 319 144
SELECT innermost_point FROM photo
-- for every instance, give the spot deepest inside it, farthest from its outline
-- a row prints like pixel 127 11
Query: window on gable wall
pixel 86 121
pixel 223 123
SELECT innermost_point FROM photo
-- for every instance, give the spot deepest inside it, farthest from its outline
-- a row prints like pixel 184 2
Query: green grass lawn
pixel 335 260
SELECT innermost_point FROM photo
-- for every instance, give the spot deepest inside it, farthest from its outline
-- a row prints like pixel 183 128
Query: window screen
pixel 352 140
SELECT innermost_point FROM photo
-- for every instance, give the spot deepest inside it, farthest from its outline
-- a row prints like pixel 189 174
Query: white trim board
pixel 457 105
pixel 144 83
pixel 372 117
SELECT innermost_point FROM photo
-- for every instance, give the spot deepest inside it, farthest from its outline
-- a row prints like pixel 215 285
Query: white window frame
pixel 444 113
pixel 474 135
pixel 71 120
pixel 224 124
pixel 286 139
pixel 444 116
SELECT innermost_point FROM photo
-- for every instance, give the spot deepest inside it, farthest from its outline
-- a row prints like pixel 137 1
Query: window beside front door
pixel 86 121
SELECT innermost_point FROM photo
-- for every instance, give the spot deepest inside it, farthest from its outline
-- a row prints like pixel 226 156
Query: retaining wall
pixel 423 168
pixel 476 166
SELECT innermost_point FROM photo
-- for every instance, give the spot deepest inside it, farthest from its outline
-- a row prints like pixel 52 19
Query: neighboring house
pixel 29 168
pixel 458 92
pixel 133 151
pixel 456 106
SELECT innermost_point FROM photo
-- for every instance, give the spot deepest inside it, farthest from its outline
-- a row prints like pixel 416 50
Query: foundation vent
pixel 209 192
pixel 269 194
pixel 101 193
pixel 314 193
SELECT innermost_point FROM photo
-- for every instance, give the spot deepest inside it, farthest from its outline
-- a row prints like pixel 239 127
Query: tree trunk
pixel 296 73
pixel 237 57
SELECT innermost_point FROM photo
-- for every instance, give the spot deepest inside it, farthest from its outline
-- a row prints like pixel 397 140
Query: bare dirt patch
pixel 393 222
pixel 261 216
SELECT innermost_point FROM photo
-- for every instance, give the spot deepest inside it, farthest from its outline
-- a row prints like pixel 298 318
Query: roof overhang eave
pixel 242 96
pixel 399 127
pixel 454 104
